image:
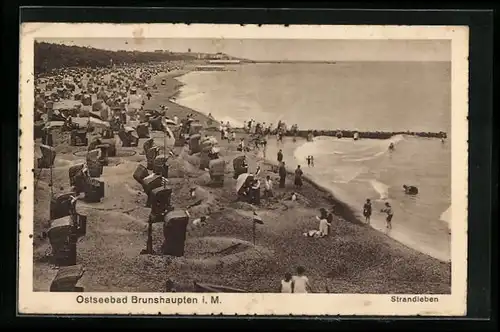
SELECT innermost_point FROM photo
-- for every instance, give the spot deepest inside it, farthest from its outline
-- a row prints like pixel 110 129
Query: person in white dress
pixel 287 284
pixel 301 282
pixel 323 223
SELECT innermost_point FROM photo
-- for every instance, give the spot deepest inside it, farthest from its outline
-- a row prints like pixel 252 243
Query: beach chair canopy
pixel 67 277
pixel 47 150
pixel 128 129
pixel 238 161
pixel 148 144
pixel 66 104
pixel 60 228
pixel 170 122
pixel 242 179
pixel 53 124
pixel 93 122
pixel 94 155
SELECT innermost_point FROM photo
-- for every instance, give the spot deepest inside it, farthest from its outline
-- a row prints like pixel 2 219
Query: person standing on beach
pixel 282 174
pixel 255 192
pixel 388 210
pixel 298 177
pixel 308 161
pixel 221 130
pixel 241 145
pixel 280 156
pixel 301 283
pixel 268 187
pixel 367 210
pixel 280 137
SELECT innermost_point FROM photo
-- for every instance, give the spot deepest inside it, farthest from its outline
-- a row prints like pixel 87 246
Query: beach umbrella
pixel 242 178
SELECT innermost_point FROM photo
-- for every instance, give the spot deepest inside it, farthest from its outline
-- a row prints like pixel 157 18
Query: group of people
pixel 367 213
pixel 367 207
pixel 298 283
pixel 325 220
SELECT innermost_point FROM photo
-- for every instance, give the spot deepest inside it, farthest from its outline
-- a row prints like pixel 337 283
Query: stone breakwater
pixel 361 134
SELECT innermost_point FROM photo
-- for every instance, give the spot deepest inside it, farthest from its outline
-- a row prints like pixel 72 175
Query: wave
pixel 446 215
pixel 348 157
pixel 381 188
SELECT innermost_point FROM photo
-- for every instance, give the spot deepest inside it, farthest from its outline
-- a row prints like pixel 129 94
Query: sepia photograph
pixel 210 169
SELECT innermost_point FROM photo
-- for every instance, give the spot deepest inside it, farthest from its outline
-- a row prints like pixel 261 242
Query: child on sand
pixel 388 210
pixel 301 282
pixel 287 284
pixel 268 187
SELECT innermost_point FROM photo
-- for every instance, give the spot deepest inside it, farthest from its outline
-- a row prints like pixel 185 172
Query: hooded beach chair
pixel 48 156
pixel 160 165
pixel 94 165
pixel 174 232
pixel 148 144
pixel 160 199
pixel 240 166
pixel 63 240
pixel 143 130
pixel 67 278
pixel 151 154
pixel 194 143
pixel 78 137
pixel 94 190
pixel 216 169
pixel 151 182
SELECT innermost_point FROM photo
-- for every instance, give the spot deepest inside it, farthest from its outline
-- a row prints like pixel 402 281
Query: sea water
pixel 371 96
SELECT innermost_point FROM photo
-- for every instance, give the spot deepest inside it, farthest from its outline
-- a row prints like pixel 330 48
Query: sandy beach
pixel 354 258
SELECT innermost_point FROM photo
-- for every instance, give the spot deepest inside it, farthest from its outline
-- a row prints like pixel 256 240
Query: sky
pixel 282 49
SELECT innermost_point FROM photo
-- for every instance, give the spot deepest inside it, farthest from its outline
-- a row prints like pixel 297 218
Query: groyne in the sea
pixel 363 134
pixel 340 133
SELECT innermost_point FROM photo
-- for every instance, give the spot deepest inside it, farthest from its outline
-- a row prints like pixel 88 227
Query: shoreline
pixel 342 209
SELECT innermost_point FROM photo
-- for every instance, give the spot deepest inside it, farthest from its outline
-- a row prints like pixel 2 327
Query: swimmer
pixel 410 190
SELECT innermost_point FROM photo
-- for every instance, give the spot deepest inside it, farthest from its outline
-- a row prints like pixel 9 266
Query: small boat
pixel 211 288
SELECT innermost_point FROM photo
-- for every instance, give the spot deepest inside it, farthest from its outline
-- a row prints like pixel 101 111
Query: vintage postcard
pixel 243 170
